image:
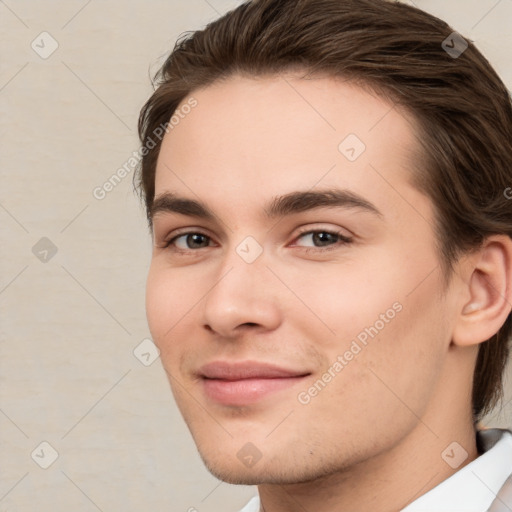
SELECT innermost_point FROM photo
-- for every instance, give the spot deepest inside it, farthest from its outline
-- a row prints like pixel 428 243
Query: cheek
pixel 338 302
pixel 168 300
pixel 404 363
pixel 385 386
pixel 157 305
pixel 386 321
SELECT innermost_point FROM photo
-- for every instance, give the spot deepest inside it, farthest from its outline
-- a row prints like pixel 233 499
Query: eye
pixel 187 241
pixel 323 238
pixel 311 240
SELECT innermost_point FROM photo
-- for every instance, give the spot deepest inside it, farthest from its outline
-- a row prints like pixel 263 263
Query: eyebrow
pixel 288 204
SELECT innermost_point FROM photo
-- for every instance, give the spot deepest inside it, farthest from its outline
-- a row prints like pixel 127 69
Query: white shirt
pixel 472 489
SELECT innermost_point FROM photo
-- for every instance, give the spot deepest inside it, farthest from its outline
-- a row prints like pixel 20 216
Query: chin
pixel 236 476
pixel 274 471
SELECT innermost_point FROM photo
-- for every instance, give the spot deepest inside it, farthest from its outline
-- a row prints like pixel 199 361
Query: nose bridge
pixel 243 265
pixel 242 291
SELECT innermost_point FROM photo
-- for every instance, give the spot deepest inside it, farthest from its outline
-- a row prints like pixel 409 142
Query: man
pixel 331 280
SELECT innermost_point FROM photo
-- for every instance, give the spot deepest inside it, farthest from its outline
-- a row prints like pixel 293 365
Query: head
pixel 344 176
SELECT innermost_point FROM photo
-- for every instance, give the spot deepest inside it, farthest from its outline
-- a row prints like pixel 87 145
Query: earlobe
pixel 489 286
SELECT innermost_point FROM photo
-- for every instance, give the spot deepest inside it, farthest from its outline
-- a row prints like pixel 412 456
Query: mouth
pixel 239 384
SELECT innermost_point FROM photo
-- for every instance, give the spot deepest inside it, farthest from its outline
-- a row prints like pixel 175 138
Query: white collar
pixel 471 489
pixel 475 486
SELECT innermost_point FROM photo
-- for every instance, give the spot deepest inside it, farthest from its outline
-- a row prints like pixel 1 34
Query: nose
pixel 242 297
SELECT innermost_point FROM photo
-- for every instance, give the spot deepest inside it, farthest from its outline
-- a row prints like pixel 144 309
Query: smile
pixel 246 383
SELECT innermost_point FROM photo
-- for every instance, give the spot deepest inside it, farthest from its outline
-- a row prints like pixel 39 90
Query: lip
pixel 243 383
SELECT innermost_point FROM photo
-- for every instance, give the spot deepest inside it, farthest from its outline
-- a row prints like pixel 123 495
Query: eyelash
pixel 342 240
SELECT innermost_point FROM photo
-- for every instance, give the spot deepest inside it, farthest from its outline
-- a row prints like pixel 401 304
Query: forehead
pixel 248 138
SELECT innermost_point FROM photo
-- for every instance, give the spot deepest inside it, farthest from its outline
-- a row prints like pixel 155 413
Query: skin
pixel 373 437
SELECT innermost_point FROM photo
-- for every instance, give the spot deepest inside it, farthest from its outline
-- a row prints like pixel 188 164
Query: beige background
pixel 69 325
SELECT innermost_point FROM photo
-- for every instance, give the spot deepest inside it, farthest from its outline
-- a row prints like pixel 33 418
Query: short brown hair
pixel 462 108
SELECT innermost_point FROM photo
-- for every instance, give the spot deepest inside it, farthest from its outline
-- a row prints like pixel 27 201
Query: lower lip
pixel 246 391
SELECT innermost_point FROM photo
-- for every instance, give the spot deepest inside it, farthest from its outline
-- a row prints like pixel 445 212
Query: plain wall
pixel 73 267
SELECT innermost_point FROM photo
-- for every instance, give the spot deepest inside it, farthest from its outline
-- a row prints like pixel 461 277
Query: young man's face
pixel 298 340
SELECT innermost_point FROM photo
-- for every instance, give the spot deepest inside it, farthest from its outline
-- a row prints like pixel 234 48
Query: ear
pixel 488 284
